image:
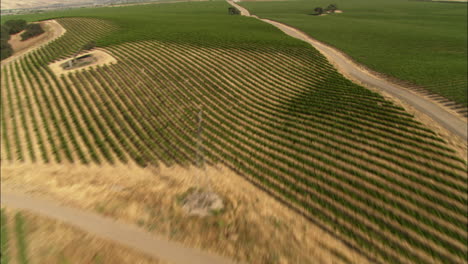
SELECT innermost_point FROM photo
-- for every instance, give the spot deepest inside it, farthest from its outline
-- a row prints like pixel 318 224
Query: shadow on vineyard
pixel 276 112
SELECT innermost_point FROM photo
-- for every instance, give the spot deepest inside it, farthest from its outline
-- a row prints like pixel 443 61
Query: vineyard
pixel 420 42
pixel 281 116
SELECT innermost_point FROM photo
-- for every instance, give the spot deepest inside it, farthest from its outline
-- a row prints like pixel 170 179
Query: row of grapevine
pixel 340 154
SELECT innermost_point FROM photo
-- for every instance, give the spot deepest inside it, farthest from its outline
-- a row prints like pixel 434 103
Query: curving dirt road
pixel 127 235
pixel 357 74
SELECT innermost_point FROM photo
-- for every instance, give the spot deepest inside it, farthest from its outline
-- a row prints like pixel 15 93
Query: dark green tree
pixel 5 49
pixel 318 11
pixel 4 33
pixel 331 8
pixel 31 30
pixel 15 25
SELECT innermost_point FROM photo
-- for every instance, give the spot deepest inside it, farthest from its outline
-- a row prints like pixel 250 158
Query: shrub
pixel 4 32
pixel 15 25
pixel 32 30
pixel 318 11
pixel 5 49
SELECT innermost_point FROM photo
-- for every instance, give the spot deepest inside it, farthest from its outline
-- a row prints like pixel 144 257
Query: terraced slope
pixel 282 117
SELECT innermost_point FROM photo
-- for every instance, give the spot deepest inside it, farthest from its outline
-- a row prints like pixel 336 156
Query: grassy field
pixel 420 42
pixel 274 110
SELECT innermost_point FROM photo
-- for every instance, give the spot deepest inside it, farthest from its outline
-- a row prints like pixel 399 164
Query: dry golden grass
pixel 254 228
pixel 50 241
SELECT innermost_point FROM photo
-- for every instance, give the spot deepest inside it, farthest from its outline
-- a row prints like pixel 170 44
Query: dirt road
pixel 355 73
pixel 124 234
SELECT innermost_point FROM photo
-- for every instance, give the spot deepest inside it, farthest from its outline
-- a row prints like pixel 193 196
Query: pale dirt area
pixel 101 56
pixel 53 30
pixel 53 242
pixel 254 228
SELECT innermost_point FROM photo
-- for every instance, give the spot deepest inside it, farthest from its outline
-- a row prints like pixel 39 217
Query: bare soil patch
pixel 86 60
pixel 52 30
pixel 253 227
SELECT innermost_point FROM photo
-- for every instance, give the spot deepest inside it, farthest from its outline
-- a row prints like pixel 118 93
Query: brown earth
pixel 53 242
pixel 255 228
pixel 101 58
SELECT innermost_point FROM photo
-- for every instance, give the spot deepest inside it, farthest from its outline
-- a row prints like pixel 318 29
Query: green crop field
pixel 275 111
pixel 423 43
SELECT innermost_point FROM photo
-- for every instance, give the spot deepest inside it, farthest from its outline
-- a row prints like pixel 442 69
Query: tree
pixel 233 11
pixel 15 25
pixel 5 49
pixel 318 11
pixel 31 30
pixel 4 33
pixel 331 8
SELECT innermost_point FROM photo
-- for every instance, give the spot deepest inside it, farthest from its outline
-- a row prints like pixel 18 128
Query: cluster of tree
pixel 5 48
pixel 329 9
pixel 31 30
pixel 9 28
pixel 233 11
pixel 15 25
